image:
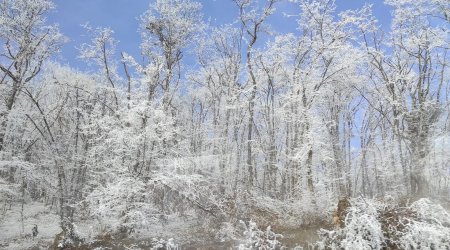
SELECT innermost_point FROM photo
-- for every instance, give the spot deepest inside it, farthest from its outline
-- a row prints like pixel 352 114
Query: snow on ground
pixel 12 237
pixel 11 234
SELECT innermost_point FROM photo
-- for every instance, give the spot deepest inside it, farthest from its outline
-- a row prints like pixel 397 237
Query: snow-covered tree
pixel 27 41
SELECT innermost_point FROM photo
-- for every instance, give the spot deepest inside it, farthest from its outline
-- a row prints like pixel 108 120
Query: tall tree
pixel 252 22
pixel 27 42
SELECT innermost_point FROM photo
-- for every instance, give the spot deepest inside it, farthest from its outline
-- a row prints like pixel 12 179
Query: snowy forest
pixel 335 136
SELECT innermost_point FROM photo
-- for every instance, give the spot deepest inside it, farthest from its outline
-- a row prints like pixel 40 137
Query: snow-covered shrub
pixel 371 224
pixel 423 235
pixel 306 210
pixel 362 229
pixel 429 230
pixel 68 238
pixel 434 213
pixel 162 244
pixel 265 210
pixel 121 206
pixel 226 232
pixel 255 238
pixel 132 205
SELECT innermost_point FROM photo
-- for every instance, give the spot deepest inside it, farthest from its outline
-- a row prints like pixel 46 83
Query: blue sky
pixel 122 17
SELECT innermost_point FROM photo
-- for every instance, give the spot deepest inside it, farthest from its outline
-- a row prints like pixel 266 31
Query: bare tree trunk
pixel 309 161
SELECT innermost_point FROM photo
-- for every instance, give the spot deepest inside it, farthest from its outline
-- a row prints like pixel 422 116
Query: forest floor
pixel 187 234
pixel 17 235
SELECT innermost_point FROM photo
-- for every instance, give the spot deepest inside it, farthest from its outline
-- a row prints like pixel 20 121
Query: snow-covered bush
pixel 162 244
pixel 432 212
pixel 429 230
pixel 255 238
pixel 362 229
pixel 68 238
pixel 371 224
pixel 132 205
pixel 226 232
pixel 264 210
pixel 123 206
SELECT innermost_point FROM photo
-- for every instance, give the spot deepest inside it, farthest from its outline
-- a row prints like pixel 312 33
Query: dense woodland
pixel 221 124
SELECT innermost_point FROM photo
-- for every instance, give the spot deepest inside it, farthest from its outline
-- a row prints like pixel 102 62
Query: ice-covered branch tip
pixel 28 40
